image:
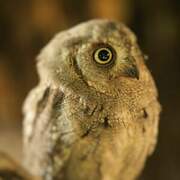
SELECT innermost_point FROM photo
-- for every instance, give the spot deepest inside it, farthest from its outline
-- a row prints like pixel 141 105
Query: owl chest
pixel 100 156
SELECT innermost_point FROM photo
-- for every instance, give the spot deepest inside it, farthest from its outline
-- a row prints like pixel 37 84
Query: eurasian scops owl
pixel 94 114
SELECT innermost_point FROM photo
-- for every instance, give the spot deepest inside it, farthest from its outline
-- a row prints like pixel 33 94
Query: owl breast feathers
pixel 94 114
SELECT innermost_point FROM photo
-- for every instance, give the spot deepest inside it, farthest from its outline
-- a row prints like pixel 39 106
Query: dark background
pixel 27 25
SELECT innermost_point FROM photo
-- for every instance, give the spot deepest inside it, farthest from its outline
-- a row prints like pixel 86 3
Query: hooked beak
pixel 132 72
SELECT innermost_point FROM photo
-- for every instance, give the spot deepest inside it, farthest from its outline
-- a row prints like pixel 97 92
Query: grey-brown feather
pixel 84 122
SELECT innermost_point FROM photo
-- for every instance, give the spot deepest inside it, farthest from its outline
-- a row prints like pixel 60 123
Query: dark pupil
pixel 103 55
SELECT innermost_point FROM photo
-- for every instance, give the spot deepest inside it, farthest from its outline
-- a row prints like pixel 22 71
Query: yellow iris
pixel 103 55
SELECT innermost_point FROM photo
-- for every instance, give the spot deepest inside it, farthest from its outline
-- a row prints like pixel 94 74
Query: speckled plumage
pixel 89 122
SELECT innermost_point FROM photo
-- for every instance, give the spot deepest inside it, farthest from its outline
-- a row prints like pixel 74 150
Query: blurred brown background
pixel 26 26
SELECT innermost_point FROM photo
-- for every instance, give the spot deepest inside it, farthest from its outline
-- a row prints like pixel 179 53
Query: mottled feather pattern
pixel 91 121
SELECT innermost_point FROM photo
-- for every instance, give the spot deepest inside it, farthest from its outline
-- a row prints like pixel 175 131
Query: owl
pixel 94 114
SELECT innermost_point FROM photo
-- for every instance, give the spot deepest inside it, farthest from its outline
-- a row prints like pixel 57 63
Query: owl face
pixel 98 53
pixel 105 61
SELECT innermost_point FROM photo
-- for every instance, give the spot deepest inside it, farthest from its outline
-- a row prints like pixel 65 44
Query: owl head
pixel 99 54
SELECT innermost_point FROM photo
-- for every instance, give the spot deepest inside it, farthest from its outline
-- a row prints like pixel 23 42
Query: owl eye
pixel 104 55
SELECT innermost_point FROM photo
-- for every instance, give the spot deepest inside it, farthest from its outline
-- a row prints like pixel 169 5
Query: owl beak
pixel 132 72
